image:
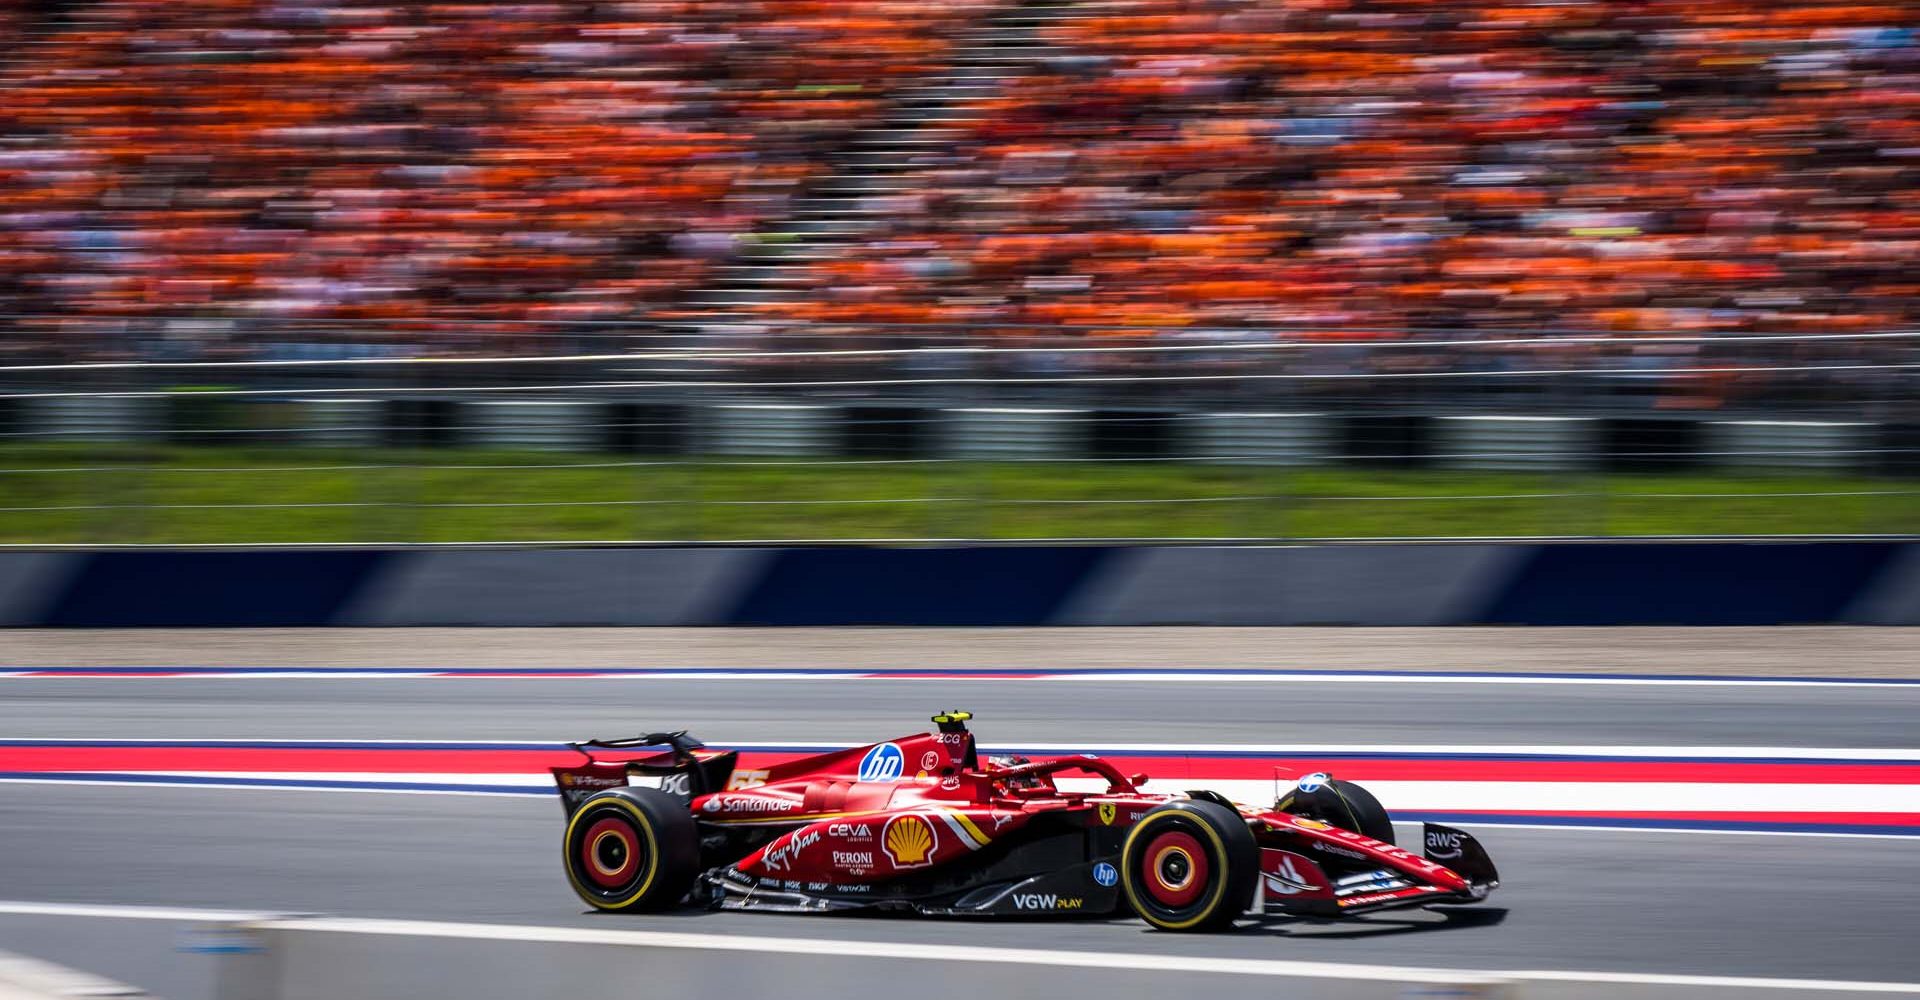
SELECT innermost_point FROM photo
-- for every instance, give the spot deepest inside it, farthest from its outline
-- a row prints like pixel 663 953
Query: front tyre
pixel 1190 866
pixel 631 849
pixel 1342 804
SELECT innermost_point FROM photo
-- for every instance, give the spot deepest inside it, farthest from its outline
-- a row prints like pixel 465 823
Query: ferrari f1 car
pixel 922 824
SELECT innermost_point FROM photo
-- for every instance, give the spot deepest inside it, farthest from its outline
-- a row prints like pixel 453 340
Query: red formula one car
pixel 921 824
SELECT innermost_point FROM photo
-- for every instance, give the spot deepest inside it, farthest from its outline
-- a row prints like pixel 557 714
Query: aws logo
pixel 909 841
pixel 1444 846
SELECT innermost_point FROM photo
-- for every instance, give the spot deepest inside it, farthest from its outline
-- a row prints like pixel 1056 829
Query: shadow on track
pixel 1410 922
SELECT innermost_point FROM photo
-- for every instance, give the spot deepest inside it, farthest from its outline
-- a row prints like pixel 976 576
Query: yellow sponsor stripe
pixel 972 831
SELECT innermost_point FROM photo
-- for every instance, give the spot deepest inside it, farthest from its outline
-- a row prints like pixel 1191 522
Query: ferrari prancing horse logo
pixel 1107 812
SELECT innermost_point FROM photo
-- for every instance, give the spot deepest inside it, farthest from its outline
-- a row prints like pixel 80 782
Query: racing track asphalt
pixel 1007 713
pixel 1841 651
pixel 1586 900
pixel 1591 900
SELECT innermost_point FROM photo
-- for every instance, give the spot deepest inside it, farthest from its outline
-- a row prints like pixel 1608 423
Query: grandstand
pixel 393 162
pixel 452 175
pixel 1323 167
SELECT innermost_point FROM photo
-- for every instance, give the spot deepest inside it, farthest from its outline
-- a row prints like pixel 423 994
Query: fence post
pixel 128 506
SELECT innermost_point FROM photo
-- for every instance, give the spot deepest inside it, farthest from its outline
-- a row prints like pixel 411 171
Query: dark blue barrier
pixel 186 589
pixel 1688 584
pixel 944 586
pixel 1572 584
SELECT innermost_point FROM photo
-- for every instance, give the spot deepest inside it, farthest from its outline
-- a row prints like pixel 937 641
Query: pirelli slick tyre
pixel 632 849
pixel 1190 866
pixel 1342 804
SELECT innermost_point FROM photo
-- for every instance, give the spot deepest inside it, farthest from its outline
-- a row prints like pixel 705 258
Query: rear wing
pixel 684 769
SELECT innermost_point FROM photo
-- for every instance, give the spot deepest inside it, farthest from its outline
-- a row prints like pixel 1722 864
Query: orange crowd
pixel 1361 167
pixel 1328 167
pixel 384 161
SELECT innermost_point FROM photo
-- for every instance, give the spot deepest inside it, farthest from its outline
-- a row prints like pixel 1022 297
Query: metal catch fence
pixel 744 433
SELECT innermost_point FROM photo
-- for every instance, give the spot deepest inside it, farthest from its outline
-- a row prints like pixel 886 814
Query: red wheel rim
pixel 1174 869
pixel 609 853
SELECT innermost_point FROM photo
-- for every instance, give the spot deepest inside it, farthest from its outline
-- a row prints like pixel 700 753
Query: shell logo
pixel 909 841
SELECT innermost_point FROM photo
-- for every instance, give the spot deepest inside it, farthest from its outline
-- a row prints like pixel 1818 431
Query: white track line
pixel 1404 797
pixel 926 951
pixel 1596 825
pixel 24 908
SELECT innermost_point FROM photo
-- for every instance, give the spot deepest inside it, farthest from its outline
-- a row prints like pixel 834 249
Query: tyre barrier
pixel 1387 584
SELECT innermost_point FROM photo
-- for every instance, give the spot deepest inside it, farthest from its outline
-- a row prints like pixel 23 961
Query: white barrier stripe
pixel 1577 796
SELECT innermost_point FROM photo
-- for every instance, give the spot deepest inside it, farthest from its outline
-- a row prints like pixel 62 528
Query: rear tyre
pixel 1342 804
pixel 1190 866
pixel 631 849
